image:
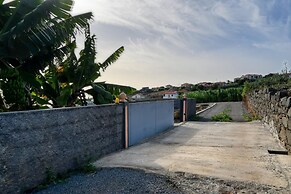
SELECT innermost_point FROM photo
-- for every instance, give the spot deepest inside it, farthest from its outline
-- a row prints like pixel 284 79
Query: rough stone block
pixel 289 123
pixel 282 135
pixel 288 135
pixel 268 96
pixel 283 101
pixel 289 113
pixel 288 102
pixel 283 93
pixel 272 91
pixel 285 121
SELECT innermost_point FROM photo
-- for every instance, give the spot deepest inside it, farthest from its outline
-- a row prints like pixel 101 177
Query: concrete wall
pixel 147 119
pixel 274 107
pixel 35 142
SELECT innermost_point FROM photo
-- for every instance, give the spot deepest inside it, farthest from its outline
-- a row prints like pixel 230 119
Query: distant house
pixel 170 95
pixel 205 84
pixel 183 91
pixel 186 85
pixel 222 84
pixel 138 97
pixel 145 90
pixel 248 77
pixel 156 89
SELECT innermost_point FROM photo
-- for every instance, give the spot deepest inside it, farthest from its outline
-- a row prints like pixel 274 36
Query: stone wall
pixel 274 107
pixel 37 142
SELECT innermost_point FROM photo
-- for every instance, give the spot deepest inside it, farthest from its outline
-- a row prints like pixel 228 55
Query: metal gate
pixel 147 119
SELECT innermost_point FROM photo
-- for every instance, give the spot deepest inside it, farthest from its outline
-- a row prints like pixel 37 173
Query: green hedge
pixel 220 95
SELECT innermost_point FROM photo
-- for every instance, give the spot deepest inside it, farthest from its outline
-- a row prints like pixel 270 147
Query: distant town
pixel 173 92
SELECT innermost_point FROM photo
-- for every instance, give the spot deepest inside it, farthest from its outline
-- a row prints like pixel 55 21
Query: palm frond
pixel 29 13
pixel 23 8
pixel 6 10
pixel 116 89
pixel 112 58
pixel 42 38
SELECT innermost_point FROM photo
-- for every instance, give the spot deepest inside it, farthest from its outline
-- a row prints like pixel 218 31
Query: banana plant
pixel 32 28
pixel 33 34
pixel 68 82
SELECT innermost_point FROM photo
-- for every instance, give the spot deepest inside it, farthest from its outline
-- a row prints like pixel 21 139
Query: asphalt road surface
pixel 236 111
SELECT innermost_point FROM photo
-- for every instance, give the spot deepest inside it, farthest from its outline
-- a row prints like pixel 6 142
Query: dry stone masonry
pixel 274 107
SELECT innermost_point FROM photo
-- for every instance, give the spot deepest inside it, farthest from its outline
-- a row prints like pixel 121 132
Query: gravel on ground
pixel 191 183
pixel 126 180
pixel 113 180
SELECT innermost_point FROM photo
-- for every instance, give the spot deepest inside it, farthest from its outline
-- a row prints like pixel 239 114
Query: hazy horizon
pixel 182 41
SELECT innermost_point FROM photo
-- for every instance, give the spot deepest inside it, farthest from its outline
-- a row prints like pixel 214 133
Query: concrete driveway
pixel 231 151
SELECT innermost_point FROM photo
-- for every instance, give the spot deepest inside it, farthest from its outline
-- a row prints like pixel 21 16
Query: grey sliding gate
pixel 147 119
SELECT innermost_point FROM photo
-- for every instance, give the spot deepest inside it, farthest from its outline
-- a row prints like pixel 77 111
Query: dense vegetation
pixel 276 81
pixel 38 64
pixel 219 95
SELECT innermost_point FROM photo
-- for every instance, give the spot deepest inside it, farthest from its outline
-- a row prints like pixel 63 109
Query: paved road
pixel 230 151
pixel 236 111
pixel 196 157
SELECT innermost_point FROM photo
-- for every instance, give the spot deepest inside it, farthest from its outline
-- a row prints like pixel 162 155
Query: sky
pixel 189 41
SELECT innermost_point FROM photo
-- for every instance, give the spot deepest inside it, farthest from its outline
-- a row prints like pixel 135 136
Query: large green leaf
pixel 23 8
pixel 116 89
pixel 63 98
pixel 29 13
pixel 100 95
pixel 112 58
pixel 39 26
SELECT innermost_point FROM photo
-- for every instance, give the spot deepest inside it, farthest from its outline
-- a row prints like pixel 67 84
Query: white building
pixel 138 97
pixel 170 95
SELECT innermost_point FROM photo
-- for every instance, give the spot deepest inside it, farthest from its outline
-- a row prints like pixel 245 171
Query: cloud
pixel 176 41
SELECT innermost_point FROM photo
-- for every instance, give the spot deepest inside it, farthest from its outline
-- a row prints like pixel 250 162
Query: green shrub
pixel 220 95
pixel 222 117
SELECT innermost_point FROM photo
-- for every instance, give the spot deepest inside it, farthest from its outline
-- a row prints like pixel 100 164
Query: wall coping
pixel 58 109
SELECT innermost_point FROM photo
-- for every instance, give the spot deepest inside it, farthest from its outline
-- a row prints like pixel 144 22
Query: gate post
pixel 184 109
pixel 126 120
